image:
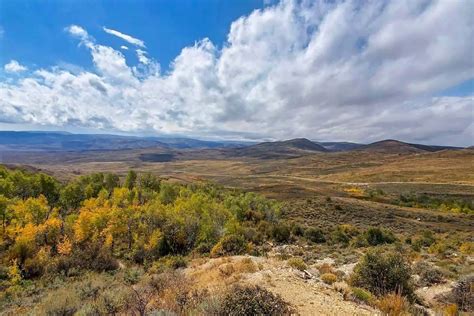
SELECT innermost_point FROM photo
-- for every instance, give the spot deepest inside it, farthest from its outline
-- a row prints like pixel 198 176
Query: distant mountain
pixel 395 146
pixel 340 146
pixel 182 143
pixel 292 148
pixel 59 141
pixel 62 141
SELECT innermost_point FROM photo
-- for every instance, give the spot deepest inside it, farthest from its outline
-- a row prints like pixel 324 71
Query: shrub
pixel 229 245
pixel 450 310
pixel 463 293
pixel 376 236
pixel 431 275
pixel 329 278
pixel 315 235
pixel 168 262
pixel 253 300
pixel 383 273
pixel 297 263
pixel 281 232
pixel 112 301
pixel 62 302
pixel 298 230
pixel 393 305
pixel 361 295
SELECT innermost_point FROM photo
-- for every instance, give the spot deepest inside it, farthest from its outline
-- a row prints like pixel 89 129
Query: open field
pixel 305 182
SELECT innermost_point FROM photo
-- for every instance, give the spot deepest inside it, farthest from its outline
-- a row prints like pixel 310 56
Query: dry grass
pixel 393 305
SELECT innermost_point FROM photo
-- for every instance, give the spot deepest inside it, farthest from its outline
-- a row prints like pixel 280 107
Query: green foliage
pixel 439 203
pixel 281 232
pixel 130 180
pixel 298 230
pixel 376 236
pixel 91 221
pixel 362 295
pixel 383 273
pixel 315 235
pixel 229 245
pixel 253 300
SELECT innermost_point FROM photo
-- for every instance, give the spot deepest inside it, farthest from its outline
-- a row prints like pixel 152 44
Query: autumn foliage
pixel 94 221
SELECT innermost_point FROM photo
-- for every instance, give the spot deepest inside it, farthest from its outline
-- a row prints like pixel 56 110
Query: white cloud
pixel 125 37
pixel 327 71
pixel 124 47
pixel 14 67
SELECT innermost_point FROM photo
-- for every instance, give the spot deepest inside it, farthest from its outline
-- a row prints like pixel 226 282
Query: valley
pixel 331 199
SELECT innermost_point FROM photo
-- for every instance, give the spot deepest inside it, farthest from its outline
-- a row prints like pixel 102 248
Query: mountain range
pixel 62 141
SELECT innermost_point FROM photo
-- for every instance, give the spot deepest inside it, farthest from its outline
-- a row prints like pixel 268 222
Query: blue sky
pixel 33 30
pixel 249 69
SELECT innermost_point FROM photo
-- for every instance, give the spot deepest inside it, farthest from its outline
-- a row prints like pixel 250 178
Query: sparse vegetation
pixel 463 293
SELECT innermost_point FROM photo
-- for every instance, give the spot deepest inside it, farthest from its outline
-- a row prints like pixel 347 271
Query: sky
pixel 250 69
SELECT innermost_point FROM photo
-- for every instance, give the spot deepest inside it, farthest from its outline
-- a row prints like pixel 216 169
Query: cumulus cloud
pixel 124 47
pixel 14 67
pixel 125 37
pixel 323 70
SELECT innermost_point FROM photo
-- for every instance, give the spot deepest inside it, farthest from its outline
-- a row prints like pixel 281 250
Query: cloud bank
pixel 14 67
pixel 327 71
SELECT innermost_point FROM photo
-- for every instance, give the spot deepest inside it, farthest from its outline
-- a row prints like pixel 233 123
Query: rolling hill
pixel 292 148
pixel 62 141
pixel 398 147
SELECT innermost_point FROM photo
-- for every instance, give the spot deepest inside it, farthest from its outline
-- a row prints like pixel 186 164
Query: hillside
pixel 292 148
pixel 399 147
pixel 62 141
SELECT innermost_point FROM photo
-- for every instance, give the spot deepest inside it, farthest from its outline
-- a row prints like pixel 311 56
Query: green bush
pixel 315 235
pixel 168 263
pixel 281 232
pixel 298 230
pixel 253 300
pixel 229 245
pixel 361 295
pixel 383 273
pixel 375 236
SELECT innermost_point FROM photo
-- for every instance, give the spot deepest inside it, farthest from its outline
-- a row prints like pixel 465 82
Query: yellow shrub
pixel 354 191
pixel 297 263
pixel 467 248
pixel 329 278
pixel 450 310
pixel 393 305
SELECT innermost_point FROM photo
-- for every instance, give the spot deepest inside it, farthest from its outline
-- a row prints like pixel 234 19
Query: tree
pixel 4 215
pixel 49 187
pixel 71 197
pixel 130 180
pixel 112 181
